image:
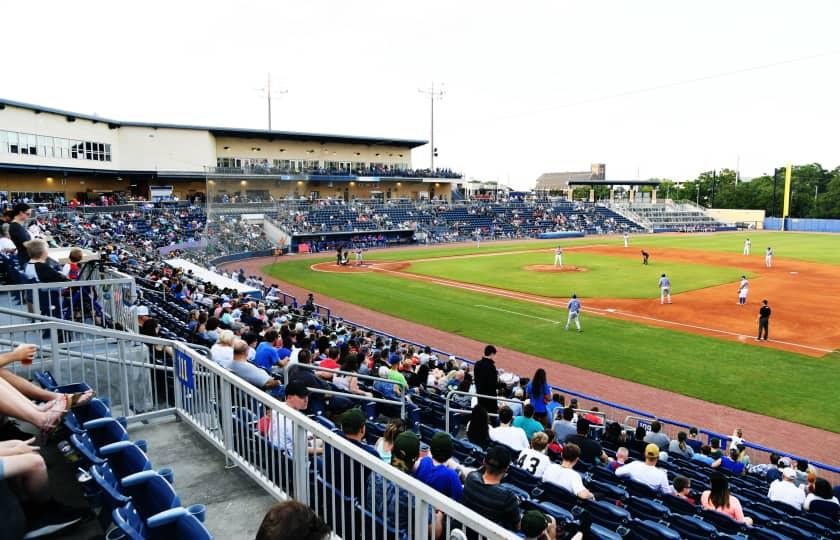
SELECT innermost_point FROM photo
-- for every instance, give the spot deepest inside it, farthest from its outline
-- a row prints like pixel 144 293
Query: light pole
pixel 269 96
pixel 697 185
pixel 433 96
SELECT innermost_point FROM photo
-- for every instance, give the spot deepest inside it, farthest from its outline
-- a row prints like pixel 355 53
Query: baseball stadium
pixel 228 332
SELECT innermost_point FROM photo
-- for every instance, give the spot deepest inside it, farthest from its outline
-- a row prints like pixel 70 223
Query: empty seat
pixel 679 505
pixel 607 514
pixel 722 522
pixel 651 530
pixel 150 493
pixel 691 527
pixel 642 508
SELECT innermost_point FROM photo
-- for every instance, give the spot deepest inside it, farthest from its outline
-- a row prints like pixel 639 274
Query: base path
pixel 816 444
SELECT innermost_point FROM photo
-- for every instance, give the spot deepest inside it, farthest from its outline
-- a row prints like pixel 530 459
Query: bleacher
pixel 684 217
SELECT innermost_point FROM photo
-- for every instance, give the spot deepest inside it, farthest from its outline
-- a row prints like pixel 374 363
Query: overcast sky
pixel 654 88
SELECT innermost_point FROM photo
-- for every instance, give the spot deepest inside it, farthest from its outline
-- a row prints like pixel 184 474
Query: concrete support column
pixel 612 194
pixel 653 196
pixel 569 193
pixel 591 195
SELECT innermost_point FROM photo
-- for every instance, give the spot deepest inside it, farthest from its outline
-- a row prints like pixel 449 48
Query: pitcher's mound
pixel 551 268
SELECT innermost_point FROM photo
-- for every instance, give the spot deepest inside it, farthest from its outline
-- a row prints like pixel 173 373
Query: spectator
pixel 71 269
pixel 716 451
pixel 349 382
pixel 483 493
pixel 342 470
pixel 251 373
pixel 385 443
pixel 478 428
pixel 729 464
pixel 638 444
pixel 554 405
pixel 657 437
pixel 438 470
pixel 822 492
pixel 527 421
pixel 487 379
pixel 621 456
pixel 646 471
pixel 590 450
pixel 692 440
pixel 37 267
pixel 719 499
pixel 267 354
pixel 389 390
pixel 539 392
pixel 7 247
pixel 392 503
pixel 682 488
pixel 614 436
pixel 769 471
pixel 534 460
pixel 704 456
pixel 565 427
pixel 538 526
pixel 785 490
pixel 292 520
pixel 21 464
pixel 507 434
pixel 17 231
pixel 565 475
pixel 679 446
pixel 222 351
pixel 737 437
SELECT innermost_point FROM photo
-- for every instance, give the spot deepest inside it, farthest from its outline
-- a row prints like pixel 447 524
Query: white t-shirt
pixel 533 462
pixel 222 355
pixel 510 436
pixel 568 479
pixel 786 492
pixel 7 245
pixel 649 475
pixel 811 497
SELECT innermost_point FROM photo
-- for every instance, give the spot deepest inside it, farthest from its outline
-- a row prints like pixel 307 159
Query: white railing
pixel 297 457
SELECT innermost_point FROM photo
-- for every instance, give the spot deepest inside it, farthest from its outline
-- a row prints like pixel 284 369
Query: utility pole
pixel 434 95
pixel 269 96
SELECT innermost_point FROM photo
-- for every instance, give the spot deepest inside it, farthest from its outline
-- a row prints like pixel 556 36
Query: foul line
pixel 520 314
pixel 561 304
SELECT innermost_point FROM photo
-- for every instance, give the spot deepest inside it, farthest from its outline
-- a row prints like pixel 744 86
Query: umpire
pixel 763 320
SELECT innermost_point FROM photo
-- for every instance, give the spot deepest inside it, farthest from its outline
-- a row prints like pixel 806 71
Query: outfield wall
pixel 803 225
pixel 735 215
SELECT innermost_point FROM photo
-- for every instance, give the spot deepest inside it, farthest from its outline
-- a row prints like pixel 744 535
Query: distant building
pixel 559 181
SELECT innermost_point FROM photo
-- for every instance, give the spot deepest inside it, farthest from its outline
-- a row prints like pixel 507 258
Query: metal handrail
pixel 403 393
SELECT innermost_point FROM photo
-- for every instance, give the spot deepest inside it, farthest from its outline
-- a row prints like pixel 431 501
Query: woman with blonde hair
pixel 222 351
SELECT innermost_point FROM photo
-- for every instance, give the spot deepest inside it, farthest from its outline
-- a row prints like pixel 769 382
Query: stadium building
pixel 48 154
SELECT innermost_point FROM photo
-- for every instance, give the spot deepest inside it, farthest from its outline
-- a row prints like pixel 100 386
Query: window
pixel 52 147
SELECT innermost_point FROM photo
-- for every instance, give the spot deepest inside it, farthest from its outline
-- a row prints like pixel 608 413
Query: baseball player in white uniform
pixel 747 246
pixel 768 258
pixel 359 257
pixel 664 289
pixel 743 290
pixel 574 312
pixel 478 237
pixel 558 257
pixel 626 240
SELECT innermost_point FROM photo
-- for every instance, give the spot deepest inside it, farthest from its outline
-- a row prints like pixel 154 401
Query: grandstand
pixel 98 335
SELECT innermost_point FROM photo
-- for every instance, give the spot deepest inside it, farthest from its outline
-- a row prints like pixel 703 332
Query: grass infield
pixel 767 381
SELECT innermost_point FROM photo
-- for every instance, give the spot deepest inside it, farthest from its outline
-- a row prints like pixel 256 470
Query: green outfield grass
pixel 766 381
pixel 606 276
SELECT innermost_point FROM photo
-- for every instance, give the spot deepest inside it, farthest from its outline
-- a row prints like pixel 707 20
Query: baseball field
pixel 702 345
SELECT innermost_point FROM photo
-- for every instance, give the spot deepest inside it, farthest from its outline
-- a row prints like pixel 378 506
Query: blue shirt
pixel 537 401
pixel 664 282
pixel 266 355
pixel 574 305
pixel 439 477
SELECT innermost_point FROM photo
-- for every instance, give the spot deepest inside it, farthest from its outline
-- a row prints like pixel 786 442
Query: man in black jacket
pixel 487 379
pixel 18 233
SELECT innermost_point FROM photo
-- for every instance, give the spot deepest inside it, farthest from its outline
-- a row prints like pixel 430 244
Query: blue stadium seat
pixel 103 431
pixel 607 514
pixel 651 530
pixel 805 523
pixel 607 491
pixel 557 495
pixel 649 509
pixel 722 522
pixel 150 493
pixel 599 532
pixel 177 523
pixel 125 458
pixel 792 531
pixel 691 527
pixel 763 533
pixel 109 486
pixel 521 478
pixel 679 505
pixel 84 447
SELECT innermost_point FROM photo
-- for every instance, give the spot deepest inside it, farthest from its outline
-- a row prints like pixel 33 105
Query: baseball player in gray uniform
pixel 743 290
pixel 664 289
pixel 768 257
pixel 574 312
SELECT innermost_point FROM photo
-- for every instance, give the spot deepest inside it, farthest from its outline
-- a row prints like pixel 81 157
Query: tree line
pixel 815 191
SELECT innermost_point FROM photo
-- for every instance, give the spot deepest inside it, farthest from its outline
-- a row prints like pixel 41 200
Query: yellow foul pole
pixel 786 201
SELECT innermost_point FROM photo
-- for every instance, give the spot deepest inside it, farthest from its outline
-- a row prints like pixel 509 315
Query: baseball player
pixel 626 240
pixel 664 289
pixel 477 237
pixel 574 312
pixel 645 256
pixel 743 290
pixel 768 257
pixel 747 246
pixel 359 261
pixel 763 320
pixel 558 257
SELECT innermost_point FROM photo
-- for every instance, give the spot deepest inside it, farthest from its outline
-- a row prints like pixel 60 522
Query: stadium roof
pixel 226 131
pixel 614 182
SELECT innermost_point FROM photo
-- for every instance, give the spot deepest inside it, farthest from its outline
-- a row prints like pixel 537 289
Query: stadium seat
pixel 823 508
pixel 638 489
pixel 103 431
pixel 770 511
pixel 691 527
pixel 521 478
pixel 150 493
pixel 520 493
pixel 177 523
pixel 125 458
pixel 607 514
pixel 651 530
pixel 129 522
pixel 649 509
pixel 109 486
pixel 806 524
pixel 599 532
pixel 786 508
pixel 722 522
pixel 763 533
pixel 84 447
pixel 557 495
pixel 792 531
pixel 679 505
pixel 607 491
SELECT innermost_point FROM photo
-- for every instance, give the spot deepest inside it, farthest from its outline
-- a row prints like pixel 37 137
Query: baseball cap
pixel 297 388
pixel 441 446
pixel 394 358
pixel 406 446
pixel 283 319
pixel 652 451
pixel 788 472
pixel 142 311
pixel 352 420
pixel 533 523
pixel 498 456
